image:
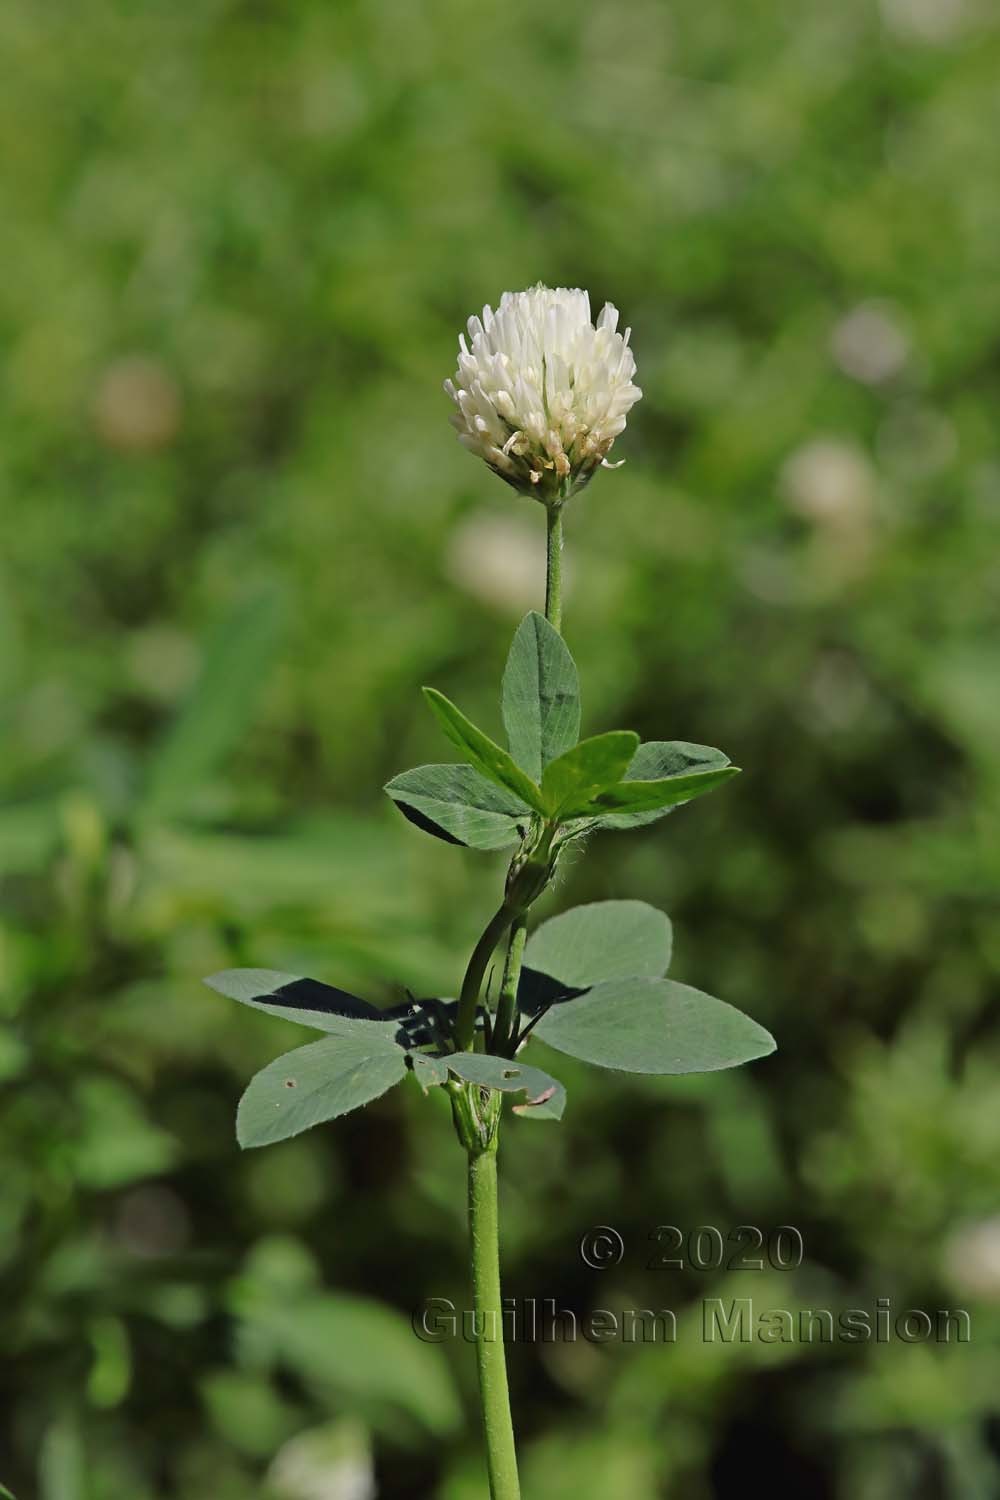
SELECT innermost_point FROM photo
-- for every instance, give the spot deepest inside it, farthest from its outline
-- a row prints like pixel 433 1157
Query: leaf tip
pixel 769 1045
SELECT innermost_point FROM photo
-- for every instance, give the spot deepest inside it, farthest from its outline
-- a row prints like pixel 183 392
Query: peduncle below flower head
pixel 541 392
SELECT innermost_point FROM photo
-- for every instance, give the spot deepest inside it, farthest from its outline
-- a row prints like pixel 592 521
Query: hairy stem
pixel 553 567
pixel 506 1019
pixel 505 1028
pixel 484 1232
pixel 468 999
pixel 484 1242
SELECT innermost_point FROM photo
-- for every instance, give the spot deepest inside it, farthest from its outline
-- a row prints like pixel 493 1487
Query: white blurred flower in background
pixel 137 406
pixel 933 22
pixel 541 392
pixel 972 1259
pixel 869 345
pixel 830 481
pixel 326 1463
pixel 495 559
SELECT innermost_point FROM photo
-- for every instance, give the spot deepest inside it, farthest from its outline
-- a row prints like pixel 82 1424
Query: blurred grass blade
pixel 220 707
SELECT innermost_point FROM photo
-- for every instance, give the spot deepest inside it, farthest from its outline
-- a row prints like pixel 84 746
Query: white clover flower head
pixel 541 392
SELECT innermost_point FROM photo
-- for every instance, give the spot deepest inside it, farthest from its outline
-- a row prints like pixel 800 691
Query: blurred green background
pixel 239 241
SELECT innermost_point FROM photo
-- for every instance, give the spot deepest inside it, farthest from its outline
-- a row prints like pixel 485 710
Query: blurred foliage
pixel 240 238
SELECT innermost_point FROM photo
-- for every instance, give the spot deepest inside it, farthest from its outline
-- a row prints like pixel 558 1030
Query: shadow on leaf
pixel 538 992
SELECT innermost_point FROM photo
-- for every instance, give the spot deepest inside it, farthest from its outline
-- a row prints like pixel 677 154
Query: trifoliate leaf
pixel 428 1071
pixel 546 1097
pixel 653 1026
pixel 541 696
pixel 306 1001
pixel 648 796
pixel 604 940
pixel 590 767
pixel 316 1083
pixel 459 805
pixel 481 752
pixel 655 760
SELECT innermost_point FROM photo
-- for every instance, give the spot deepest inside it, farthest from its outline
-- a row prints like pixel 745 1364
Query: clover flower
pixel 541 392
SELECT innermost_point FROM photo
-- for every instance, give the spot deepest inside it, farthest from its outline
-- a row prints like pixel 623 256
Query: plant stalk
pixel 484 1241
pixel 468 999
pixel 553 566
pixel 484 1227
pixel 506 1019
pixel 505 1027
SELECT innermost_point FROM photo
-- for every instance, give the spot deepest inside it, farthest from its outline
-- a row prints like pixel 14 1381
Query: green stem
pixel 505 1026
pixel 506 1017
pixel 484 1231
pixel 468 999
pixel 484 1240
pixel 553 566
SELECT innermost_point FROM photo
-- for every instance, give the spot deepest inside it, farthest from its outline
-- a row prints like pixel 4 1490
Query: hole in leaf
pixel 290 1083
pixel 512 1072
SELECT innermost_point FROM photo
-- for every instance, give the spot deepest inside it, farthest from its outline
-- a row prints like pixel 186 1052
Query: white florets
pixel 541 392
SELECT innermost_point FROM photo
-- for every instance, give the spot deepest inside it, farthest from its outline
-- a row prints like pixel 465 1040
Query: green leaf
pixel 357 1355
pixel 590 767
pixel 457 804
pixel 215 717
pixel 316 1083
pixel 5 1493
pixel 541 696
pixel 421 1023
pixel 415 1023
pixel 428 1071
pixel 653 1026
pixel 655 760
pixel 605 940
pixel 546 1097
pixel 114 1143
pixel 480 751
pixel 649 796
pixel 306 1001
